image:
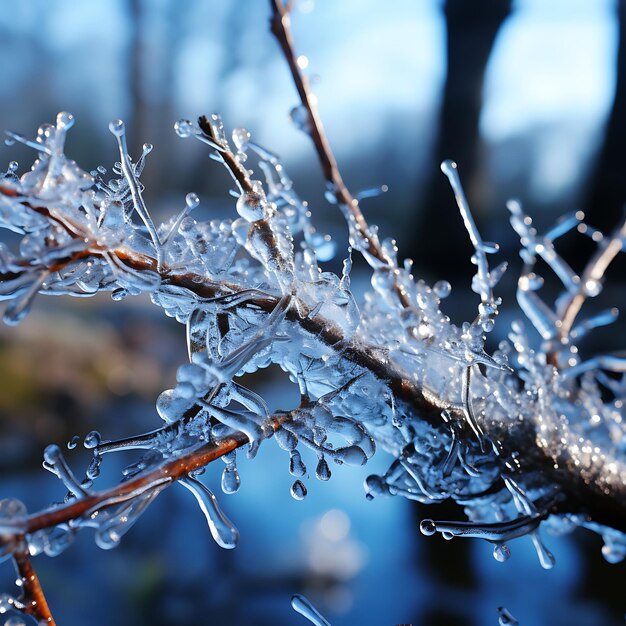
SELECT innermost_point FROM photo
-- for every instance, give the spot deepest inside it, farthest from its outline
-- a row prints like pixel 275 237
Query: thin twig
pixel 166 473
pixel 280 24
pixel 594 273
pixel 34 600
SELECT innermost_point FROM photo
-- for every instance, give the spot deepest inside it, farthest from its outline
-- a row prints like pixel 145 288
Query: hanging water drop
pixel 298 490
pixel 92 439
pixel 296 466
pixel 322 471
pixel 230 480
pixel 501 552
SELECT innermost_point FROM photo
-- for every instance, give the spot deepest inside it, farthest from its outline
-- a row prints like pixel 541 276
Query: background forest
pixel 529 97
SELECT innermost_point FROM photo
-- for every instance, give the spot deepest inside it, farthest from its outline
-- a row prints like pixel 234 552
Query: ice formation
pixel 522 438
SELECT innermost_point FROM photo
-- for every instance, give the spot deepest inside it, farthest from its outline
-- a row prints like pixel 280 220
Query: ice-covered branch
pixel 522 437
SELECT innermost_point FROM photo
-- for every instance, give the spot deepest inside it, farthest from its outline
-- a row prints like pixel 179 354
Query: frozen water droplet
pixel 488 325
pixel 299 117
pixel 93 471
pixel 296 466
pixel 147 148
pixel 442 289
pixel 192 201
pixel 117 295
pixel 250 205
pixel 428 527
pixel 301 605
pixel 230 480
pixel 51 454
pixel 73 442
pixel 298 490
pixel 322 471
pixel 170 406
pixel 92 439
pixel 65 120
pixel 375 486
pixel 241 138
pixel 117 128
pixel 501 552
pixel 13 165
pixel 184 128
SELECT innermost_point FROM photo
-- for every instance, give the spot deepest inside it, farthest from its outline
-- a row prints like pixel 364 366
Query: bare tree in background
pixel 471 32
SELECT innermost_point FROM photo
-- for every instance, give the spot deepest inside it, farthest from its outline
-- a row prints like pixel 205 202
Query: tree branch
pixel 163 474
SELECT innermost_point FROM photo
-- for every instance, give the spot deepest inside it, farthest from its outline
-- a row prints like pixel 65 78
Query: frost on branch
pixel 522 437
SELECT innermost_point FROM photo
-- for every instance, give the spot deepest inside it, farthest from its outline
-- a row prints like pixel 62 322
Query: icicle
pixel 301 605
pixel 222 530
pixel 482 286
pixel 498 532
pixel 118 130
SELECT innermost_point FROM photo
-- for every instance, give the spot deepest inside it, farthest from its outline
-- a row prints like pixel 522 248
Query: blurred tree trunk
pixel 138 106
pixel 151 83
pixel 607 187
pixel 441 242
pixel 471 32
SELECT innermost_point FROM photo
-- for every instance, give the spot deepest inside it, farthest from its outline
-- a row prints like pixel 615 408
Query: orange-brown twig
pixel 34 600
